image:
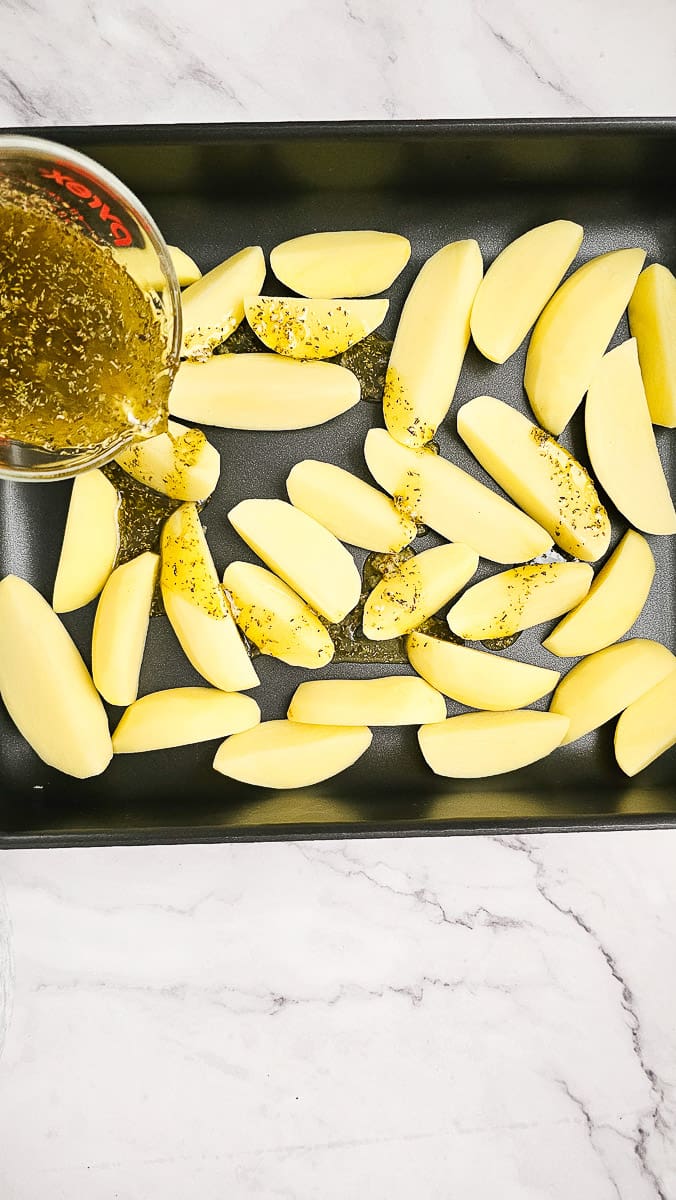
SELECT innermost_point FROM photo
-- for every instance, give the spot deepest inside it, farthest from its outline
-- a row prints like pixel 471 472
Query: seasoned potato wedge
pixel 312 328
pixel 275 619
pixel 415 589
pixel 213 306
pixel 180 463
pixel 514 600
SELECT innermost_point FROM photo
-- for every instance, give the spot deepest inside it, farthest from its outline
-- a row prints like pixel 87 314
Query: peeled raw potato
pixel 479 744
pixel 275 619
pixel 214 305
pixel 612 604
pixel 181 717
pixel 356 262
pixel 186 268
pixel 428 488
pixel 46 687
pixel 312 328
pixel 415 589
pixel 647 728
pixel 353 510
pixel 181 463
pixel 606 682
pixel 284 754
pixel 652 320
pixel 539 475
pixel 430 343
pixel 573 332
pixel 302 552
pixel 390 700
pixel 90 542
pixel 478 678
pixel 514 600
pixel 144 267
pixel 120 628
pixel 197 607
pixel 518 284
pixel 621 442
pixel 262 391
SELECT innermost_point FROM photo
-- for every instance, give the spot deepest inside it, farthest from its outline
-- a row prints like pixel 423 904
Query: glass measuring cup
pixel 80 191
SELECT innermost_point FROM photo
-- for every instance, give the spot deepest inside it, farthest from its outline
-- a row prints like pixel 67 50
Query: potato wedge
pixel 518 284
pixel 180 463
pixel 275 619
pixel 647 728
pixel 514 600
pixel 621 442
pixel 539 474
pixel 197 607
pixel 312 328
pixel 652 320
pixel 143 265
pixel 262 391
pixel 45 686
pixel 302 552
pixel 90 542
pixel 414 590
pixel 285 754
pixel 186 268
pixel 430 343
pixel 182 717
pixel 428 488
pixel 389 700
pixel 357 262
pixel 214 305
pixel 121 627
pixel 478 678
pixel 351 509
pixel 608 681
pixel 612 604
pixel 479 744
pixel 573 333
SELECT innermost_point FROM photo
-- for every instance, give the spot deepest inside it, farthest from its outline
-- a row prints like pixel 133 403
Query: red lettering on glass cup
pixel 120 234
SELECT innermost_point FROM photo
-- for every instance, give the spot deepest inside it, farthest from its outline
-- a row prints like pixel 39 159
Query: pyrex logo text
pixel 121 235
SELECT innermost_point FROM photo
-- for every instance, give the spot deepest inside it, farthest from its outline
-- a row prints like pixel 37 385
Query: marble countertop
pixel 463 1017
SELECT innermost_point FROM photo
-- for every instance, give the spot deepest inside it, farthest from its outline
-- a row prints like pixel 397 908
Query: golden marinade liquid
pixel 82 353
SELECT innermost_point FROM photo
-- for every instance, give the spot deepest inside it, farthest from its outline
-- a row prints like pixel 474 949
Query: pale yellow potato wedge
pixel 262 391
pixel 350 508
pixel 121 627
pixel 312 328
pixel 514 600
pixel 197 607
pixel 429 488
pixel 358 262
pixel 647 728
pixel 90 542
pixel 389 700
pixel 275 619
pixel 540 475
pixel 621 442
pixel 612 604
pixel 479 744
pixel 573 333
pixel 414 590
pixel 186 268
pixel 213 306
pixel 478 678
pixel 652 320
pixel 430 343
pixel 285 754
pixel 608 681
pixel 302 552
pixel 45 686
pixel 518 284
pixel 182 717
pixel 180 463
pixel 143 265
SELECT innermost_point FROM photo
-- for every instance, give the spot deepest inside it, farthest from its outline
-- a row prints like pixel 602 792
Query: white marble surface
pixel 446 1018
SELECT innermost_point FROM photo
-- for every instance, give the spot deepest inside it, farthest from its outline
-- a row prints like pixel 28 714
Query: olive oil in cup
pixel 88 345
